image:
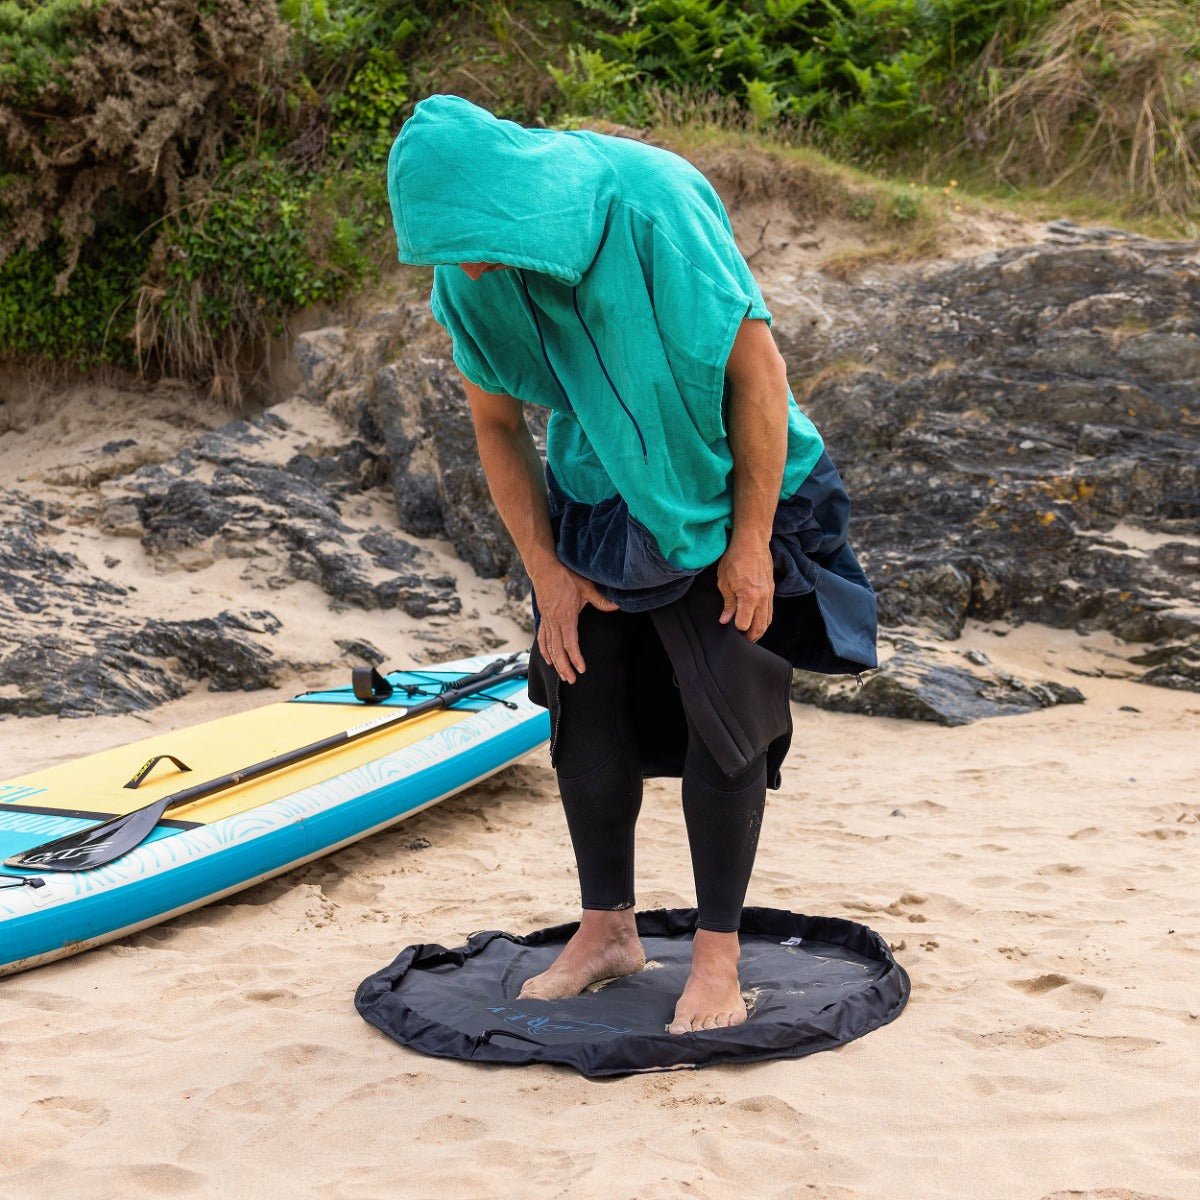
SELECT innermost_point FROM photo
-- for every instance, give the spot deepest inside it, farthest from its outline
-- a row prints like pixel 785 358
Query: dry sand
pixel 1036 875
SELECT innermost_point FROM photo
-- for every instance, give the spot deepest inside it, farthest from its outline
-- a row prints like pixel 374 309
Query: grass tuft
pixel 1107 95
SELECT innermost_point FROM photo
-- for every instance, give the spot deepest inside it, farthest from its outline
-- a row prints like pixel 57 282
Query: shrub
pixel 111 115
pixel 865 75
pixel 200 164
pixel 119 103
pixel 1108 90
pixel 228 270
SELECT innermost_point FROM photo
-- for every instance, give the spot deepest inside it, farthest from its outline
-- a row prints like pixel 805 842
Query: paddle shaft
pixel 448 698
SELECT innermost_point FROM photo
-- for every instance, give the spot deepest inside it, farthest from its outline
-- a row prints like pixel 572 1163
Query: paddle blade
pixel 91 847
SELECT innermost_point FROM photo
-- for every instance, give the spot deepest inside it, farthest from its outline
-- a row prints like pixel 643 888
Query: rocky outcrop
pixel 439 485
pixel 69 648
pixel 920 681
pixel 217 500
pixel 71 639
pixel 397 377
pixel 1020 434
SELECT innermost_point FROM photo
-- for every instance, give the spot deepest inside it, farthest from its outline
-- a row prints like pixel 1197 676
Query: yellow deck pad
pixel 96 783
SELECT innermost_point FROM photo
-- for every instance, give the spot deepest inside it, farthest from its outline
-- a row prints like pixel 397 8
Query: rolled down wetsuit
pixel 619 314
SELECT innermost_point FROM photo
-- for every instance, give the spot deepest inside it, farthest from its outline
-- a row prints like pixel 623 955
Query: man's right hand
pixel 561 595
pixel 514 475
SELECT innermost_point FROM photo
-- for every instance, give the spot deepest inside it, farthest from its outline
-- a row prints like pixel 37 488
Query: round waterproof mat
pixel 810 983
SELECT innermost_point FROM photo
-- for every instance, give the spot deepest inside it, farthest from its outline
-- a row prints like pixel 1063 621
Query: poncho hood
pixel 479 189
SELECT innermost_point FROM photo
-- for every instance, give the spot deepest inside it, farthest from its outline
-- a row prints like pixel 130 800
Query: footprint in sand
pixel 1070 994
pixel 159 1179
pixel 1116 1193
pixel 71 1111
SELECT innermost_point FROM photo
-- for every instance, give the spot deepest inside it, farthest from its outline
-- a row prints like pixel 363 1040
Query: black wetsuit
pixel 600 755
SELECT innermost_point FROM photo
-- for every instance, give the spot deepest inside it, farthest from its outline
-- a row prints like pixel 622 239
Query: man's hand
pixel 757 424
pixel 746 578
pixel 561 596
pixel 514 475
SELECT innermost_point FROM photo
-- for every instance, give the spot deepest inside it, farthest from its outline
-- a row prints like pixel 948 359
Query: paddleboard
pixel 243 834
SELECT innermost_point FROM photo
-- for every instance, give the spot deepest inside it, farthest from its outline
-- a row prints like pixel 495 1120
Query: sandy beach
pixel 1035 875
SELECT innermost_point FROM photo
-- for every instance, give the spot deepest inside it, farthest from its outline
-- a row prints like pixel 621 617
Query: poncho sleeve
pixel 701 291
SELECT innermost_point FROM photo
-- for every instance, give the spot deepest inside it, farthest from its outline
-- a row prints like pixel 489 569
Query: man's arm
pixel 514 475
pixel 757 428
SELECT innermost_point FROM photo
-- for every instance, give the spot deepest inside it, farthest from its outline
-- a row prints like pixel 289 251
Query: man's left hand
pixel 746 577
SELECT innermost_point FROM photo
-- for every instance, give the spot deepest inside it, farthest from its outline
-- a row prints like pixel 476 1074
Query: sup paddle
pixel 100 844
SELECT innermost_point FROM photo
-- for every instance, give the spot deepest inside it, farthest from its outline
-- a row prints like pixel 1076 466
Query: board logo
pixel 366 725
pixel 12 793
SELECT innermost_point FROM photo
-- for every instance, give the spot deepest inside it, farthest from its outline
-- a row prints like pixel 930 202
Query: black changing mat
pixel 811 983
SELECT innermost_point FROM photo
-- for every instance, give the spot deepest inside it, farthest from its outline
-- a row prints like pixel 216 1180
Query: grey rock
pixel 290 514
pixel 933 598
pixel 213 648
pixel 123 666
pixel 390 551
pixel 994 456
pixel 923 683
pixel 318 355
pixel 241 492
pixel 361 650
pixel 439 485
pixel 419 502
pixel 185 514
pixel 1173 666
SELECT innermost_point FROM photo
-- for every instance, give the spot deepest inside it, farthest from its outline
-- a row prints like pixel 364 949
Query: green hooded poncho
pixel 619 317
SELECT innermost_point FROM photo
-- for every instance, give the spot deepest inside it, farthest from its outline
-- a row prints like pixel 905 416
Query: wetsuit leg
pixel 723 817
pixel 599 768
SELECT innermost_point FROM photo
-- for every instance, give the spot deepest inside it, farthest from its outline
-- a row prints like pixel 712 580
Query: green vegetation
pixel 866 76
pixel 177 177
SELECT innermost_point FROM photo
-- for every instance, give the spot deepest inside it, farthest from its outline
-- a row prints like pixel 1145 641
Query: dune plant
pixel 1107 92
pixel 110 115
pixel 217 164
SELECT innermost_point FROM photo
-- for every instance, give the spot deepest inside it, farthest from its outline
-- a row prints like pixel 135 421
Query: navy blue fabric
pixel 809 546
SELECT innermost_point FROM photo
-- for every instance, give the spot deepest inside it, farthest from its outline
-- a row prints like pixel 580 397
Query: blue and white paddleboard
pixel 247 833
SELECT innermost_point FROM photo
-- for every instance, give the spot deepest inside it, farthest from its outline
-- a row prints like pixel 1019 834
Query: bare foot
pixel 605 946
pixel 712 997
